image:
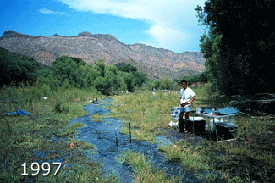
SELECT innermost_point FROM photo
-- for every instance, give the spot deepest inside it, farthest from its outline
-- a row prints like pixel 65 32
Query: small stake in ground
pixel 130 131
pixel 116 140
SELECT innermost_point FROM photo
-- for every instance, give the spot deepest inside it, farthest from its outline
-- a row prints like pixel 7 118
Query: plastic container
pixel 198 110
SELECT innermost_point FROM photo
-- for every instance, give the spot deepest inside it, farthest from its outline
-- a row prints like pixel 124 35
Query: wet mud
pixel 109 143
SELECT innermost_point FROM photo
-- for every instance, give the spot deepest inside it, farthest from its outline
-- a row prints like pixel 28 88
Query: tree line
pixel 239 45
pixel 70 72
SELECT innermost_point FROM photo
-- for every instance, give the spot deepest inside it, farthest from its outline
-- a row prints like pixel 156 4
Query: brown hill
pixel 156 62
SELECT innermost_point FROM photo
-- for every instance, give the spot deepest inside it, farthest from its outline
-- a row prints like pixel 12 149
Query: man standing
pixel 185 103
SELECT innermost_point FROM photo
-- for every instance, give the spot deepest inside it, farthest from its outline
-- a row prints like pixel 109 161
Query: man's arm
pixel 193 98
pixel 188 102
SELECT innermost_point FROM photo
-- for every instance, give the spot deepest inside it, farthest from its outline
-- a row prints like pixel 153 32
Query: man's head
pixel 184 84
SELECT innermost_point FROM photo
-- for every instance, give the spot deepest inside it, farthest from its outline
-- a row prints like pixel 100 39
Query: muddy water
pixel 103 136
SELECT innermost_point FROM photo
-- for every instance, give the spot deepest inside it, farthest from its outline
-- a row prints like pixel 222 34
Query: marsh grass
pixel 144 170
pixel 145 113
pixel 69 130
pixel 250 157
pixel 97 117
pixel 44 135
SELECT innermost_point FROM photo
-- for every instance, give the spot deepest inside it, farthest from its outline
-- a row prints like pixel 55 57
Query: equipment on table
pixel 220 125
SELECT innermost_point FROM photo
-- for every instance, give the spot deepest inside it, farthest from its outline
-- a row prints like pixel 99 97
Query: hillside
pixel 156 62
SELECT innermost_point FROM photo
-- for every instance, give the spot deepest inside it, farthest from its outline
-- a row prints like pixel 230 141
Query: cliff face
pixel 161 62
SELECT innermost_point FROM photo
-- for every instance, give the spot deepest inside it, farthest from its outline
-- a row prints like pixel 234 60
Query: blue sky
pixel 169 24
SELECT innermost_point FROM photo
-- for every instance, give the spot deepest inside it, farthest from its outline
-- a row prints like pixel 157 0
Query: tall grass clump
pixel 147 112
pixel 144 170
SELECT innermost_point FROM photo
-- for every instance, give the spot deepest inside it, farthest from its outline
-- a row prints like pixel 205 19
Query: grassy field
pixel 43 136
pixel 250 157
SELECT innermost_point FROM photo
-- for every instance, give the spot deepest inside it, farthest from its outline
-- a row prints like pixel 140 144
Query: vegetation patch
pixel 144 170
pixel 97 117
pixel 69 130
pixel 44 136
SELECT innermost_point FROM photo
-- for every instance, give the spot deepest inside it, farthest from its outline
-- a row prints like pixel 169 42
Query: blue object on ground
pixel 208 111
pixel 19 112
pixel 227 110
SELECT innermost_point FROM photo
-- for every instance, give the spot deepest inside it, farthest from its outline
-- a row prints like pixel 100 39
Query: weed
pixel 143 168
pixel 60 108
pixel 69 130
pixel 97 117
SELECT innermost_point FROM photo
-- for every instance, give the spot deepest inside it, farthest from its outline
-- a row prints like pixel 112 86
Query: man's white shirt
pixel 186 95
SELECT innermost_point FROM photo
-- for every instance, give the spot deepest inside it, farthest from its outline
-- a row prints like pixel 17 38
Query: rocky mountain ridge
pixel 156 62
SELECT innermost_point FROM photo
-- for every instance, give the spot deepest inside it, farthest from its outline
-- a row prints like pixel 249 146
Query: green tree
pixel 17 68
pixel 100 66
pixel 174 85
pixel 86 76
pixel 47 78
pixel 129 80
pixel 214 63
pixel 157 84
pixel 101 85
pixel 127 68
pixel 107 78
pixel 233 61
pixel 64 69
pixel 79 61
pixel 68 72
pixel 165 83
pixel 140 78
pixel 111 79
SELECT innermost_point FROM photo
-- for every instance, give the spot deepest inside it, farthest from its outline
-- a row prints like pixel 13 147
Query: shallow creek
pixel 109 143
